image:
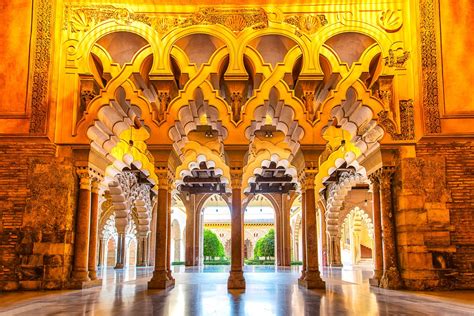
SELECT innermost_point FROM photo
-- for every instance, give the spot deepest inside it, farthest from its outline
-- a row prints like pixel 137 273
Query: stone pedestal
pixel 81 245
pixel 378 255
pixel 94 230
pixel 312 278
pixel 160 279
pixel 236 278
pixel 391 276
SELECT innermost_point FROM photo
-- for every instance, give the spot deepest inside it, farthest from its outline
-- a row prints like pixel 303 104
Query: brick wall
pixel 37 199
pixel 459 165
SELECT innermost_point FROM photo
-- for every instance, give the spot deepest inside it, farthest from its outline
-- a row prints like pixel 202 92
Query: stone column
pixel 391 276
pixel 119 264
pixel 303 233
pixel 324 238
pixel 94 230
pixel 190 256
pixel 286 236
pixel 81 243
pixel 141 247
pixel 236 279
pixel 160 279
pixel 100 262
pixel 278 237
pixel 168 244
pixel 378 255
pixel 313 278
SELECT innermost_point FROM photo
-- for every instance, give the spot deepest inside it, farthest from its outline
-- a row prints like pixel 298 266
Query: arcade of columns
pixel 152 104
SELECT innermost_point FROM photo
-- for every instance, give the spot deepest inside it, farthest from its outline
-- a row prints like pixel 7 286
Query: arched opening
pixel 260 236
pixel 215 235
pixel 296 214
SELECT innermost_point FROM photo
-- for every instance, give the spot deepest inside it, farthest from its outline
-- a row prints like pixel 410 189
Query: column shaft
pixel 312 279
pixel 160 278
pixel 190 258
pixel 81 243
pixel 391 275
pixel 94 231
pixel 236 279
pixel 378 255
pixel 303 233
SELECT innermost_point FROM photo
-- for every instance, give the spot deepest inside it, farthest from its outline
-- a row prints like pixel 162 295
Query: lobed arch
pixel 84 46
pixel 336 196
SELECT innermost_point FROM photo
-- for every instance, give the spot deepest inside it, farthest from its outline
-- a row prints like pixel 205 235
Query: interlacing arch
pixel 306 93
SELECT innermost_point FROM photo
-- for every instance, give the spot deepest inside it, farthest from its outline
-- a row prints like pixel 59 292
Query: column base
pixel 391 279
pixel 375 280
pixel 80 276
pixel 160 281
pixel 93 274
pixel 302 277
pixel 119 266
pixel 336 265
pixel 236 280
pixel 141 265
pixel 80 285
pixel 312 280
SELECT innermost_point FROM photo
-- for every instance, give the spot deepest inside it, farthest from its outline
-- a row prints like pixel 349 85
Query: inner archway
pixel 260 238
pixel 215 235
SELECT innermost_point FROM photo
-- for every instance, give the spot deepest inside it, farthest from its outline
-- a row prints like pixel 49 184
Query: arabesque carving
pixel 429 66
pixel 390 20
pixel 407 121
pixel 83 18
pixel 397 58
pixel 42 60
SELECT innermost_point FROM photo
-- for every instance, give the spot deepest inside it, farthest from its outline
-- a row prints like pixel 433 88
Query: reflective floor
pixel 203 291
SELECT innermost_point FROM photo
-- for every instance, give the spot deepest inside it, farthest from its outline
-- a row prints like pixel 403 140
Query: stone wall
pixel 434 217
pixel 37 202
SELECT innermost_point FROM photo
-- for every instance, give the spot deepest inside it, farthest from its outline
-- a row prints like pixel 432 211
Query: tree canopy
pixel 212 245
pixel 265 246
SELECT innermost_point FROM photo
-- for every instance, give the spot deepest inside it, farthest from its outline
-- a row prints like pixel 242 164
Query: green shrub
pixel 265 246
pixel 212 245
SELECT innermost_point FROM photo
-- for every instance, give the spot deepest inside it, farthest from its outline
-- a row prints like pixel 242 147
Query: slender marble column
pixel 141 251
pixel 160 278
pixel 94 230
pixel 378 254
pixel 190 257
pixel 279 239
pixel 324 239
pixel 303 233
pixel 236 279
pixel 81 244
pixel 168 244
pixel 286 236
pixel 313 278
pixel 391 276
pixel 100 262
pixel 336 248
pixel 120 251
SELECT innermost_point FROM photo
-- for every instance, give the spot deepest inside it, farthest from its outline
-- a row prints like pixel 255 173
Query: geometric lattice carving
pixel 407 122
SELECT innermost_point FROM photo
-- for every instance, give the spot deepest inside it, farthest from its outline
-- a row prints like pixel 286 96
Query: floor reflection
pixel 203 291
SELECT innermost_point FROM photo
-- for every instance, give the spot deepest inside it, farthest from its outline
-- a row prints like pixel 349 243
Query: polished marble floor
pixel 203 291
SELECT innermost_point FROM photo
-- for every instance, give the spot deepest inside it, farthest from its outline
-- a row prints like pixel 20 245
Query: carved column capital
pixel 163 179
pixel 84 178
pixel 95 185
pixel 236 178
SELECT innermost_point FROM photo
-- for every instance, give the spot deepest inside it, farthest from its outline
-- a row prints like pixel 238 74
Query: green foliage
pixel 177 263
pixel 257 262
pixel 212 245
pixel 265 246
pixel 216 262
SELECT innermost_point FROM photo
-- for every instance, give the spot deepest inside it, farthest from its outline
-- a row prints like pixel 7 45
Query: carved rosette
pixel 390 20
pixel 307 23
